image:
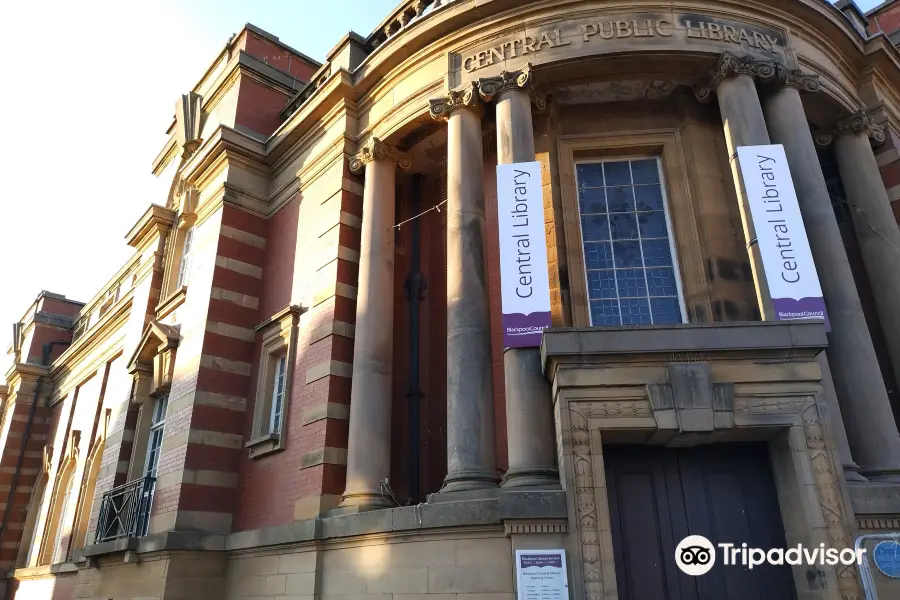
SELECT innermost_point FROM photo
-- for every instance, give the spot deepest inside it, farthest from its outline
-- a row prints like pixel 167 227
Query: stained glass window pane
pixel 631 275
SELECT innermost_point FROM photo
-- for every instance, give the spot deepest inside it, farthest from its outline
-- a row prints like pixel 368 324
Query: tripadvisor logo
pixel 695 555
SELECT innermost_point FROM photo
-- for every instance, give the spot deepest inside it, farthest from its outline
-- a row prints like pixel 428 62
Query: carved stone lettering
pixel 653 27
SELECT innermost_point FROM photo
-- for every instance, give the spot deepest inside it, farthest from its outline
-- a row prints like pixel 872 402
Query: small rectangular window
pixel 273 397
pixel 631 271
pixel 278 394
pixel 184 266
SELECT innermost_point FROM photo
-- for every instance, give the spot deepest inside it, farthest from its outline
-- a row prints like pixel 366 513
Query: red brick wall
pixel 257 504
pixel 886 20
pixel 276 56
pixel 31 466
pixel 259 107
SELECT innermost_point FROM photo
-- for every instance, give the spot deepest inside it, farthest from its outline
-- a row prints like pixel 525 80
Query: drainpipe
pixel 415 292
pixel 45 359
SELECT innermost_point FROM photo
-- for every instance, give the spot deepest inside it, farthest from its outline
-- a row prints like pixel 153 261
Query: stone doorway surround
pixel 684 385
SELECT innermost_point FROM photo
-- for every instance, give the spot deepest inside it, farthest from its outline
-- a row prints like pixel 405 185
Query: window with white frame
pixel 184 265
pixel 278 385
pixel 154 442
pixel 631 268
pixel 273 381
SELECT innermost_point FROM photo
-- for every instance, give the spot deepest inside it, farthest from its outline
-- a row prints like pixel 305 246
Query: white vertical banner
pixel 787 259
pixel 524 281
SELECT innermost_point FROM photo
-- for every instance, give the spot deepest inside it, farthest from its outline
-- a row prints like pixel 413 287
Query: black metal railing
pixel 125 510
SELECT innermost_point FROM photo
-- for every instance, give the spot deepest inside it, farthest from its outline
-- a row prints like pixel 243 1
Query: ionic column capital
pixel 490 88
pixel 463 97
pixel 795 78
pixel 734 65
pixel 374 149
pixel 862 121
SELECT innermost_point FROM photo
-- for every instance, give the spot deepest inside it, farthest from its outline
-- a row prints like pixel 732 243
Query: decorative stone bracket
pixel 690 403
pixel 154 356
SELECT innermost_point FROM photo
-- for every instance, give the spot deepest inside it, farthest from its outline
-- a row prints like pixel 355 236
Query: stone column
pixel 854 366
pixel 873 221
pixel 529 406
pixel 369 444
pixel 734 82
pixel 471 461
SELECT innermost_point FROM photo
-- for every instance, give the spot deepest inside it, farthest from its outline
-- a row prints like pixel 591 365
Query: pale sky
pixel 89 90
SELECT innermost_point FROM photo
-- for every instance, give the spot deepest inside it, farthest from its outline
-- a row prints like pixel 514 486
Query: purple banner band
pixel 524 331
pixel 788 309
pixel 540 560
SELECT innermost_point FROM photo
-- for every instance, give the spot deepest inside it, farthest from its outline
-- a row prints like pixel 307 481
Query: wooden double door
pixel 724 492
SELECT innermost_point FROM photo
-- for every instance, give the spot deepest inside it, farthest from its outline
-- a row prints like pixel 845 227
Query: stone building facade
pixel 298 386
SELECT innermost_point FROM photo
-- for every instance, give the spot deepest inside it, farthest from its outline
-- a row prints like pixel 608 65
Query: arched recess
pixel 61 505
pixel 86 495
pixel 31 538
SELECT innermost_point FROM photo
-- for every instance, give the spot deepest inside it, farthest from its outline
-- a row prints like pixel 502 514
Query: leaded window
pixel 631 272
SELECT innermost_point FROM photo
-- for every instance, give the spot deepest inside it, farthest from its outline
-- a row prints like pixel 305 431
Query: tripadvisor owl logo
pixel 695 555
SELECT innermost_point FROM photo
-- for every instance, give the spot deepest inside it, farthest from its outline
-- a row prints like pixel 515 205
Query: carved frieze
pixel 586 505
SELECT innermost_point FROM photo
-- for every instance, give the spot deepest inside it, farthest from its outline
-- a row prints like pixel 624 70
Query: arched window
pixel 58 526
pixel 31 538
pixel 86 498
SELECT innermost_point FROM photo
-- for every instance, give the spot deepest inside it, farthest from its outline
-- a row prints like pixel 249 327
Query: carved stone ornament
pixel 805 82
pixel 464 97
pixel 374 150
pixel 861 122
pixel 489 88
pixel 733 65
pixel 187 120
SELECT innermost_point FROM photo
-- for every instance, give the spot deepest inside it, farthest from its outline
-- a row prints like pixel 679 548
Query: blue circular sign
pixel 887 558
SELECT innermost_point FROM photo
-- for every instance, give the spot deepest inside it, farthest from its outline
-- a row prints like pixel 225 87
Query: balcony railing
pixel 125 510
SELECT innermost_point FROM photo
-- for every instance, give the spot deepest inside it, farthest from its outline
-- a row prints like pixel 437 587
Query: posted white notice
pixel 524 281
pixel 541 575
pixel 783 245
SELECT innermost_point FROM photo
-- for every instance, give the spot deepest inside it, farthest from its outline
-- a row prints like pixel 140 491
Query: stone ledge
pixel 518 505
pixel 695 341
pixel 875 499
pixel 533 505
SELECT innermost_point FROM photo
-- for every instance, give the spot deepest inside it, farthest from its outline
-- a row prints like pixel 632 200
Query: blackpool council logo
pixel 695 555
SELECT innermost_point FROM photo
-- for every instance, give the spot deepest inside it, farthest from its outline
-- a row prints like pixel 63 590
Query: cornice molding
pixel 490 88
pixel 376 150
pixel 463 97
pixel 156 220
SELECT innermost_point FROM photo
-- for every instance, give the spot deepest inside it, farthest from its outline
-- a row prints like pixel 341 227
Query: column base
pixel 852 474
pixel 357 502
pixel 536 478
pixel 881 475
pixel 464 481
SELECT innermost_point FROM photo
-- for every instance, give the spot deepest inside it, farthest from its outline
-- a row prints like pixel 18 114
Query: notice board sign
pixel 541 575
